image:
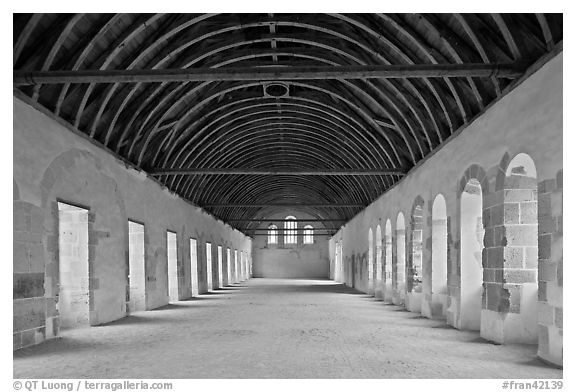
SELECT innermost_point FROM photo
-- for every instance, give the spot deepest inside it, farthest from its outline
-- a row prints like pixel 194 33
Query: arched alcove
pixel 471 245
pixel 388 262
pixel 438 274
pixel 341 267
pixel 399 265
pixel 414 267
pixel 510 313
pixel 379 267
pixel 370 262
pixel 335 274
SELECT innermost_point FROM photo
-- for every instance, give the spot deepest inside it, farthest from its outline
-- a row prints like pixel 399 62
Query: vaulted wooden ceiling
pixel 237 133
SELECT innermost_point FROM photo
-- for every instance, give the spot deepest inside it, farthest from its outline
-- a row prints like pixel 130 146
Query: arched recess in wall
pixel 378 282
pixel 399 265
pixel 370 261
pixel 518 244
pixel 101 196
pixel 387 276
pixel 439 266
pixel 336 256
pixel 341 270
pixel 414 267
pixel 471 245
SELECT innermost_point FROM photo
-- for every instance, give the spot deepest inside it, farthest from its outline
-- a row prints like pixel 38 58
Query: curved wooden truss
pixel 186 96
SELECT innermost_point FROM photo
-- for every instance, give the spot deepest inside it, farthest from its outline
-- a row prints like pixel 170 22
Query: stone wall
pixel 53 163
pixel 527 119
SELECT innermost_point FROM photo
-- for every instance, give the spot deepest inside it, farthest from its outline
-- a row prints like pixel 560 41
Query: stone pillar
pixel 379 267
pixel 414 264
pixel 368 260
pixel 509 312
pixel 550 271
pixel 398 267
pixel 387 273
pixel 434 267
pixel 453 300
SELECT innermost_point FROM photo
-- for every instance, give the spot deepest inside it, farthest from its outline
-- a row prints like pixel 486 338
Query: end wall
pixel 290 261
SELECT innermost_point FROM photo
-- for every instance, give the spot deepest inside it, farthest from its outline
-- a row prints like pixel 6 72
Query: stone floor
pixel 270 328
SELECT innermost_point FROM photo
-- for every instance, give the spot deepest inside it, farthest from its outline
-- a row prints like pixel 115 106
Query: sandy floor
pixel 268 328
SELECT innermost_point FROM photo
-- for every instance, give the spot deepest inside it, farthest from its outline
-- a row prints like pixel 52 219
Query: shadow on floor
pixel 195 299
pixel 444 326
pixel 480 339
pixel 419 317
pixel 58 346
pixel 227 290
pixel 538 363
pixel 131 320
pixel 316 288
pixel 172 305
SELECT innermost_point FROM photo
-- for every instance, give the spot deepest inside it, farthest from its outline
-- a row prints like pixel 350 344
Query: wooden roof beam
pixel 295 229
pixel 269 172
pixel 315 234
pixel 508 70
pixel 231 205
pixel 282 220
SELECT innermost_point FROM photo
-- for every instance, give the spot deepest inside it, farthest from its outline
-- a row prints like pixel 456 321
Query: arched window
pixel 290 230
pixel 308 234
pixel 272 234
